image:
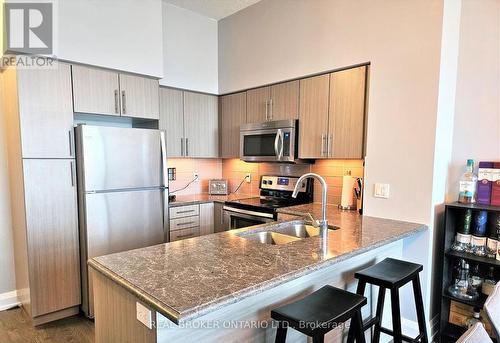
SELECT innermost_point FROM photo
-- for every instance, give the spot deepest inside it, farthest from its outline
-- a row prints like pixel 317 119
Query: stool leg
pixel 378 314
pixel 319 339
pixel 396 316
pixel 352 334
pixel 281 333
pixel 360 333
pixel 419 305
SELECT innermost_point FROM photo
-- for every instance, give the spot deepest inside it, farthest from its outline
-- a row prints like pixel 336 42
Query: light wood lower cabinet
pixel 219 224
pixel 191 221
pixel 52 234
pixel 206 218
pixel 232 113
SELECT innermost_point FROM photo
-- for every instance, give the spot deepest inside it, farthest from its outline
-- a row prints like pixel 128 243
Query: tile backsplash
pixel 234 170
pixel 185 168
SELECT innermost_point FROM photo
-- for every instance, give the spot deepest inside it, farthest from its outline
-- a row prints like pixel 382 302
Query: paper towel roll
pixel 347 201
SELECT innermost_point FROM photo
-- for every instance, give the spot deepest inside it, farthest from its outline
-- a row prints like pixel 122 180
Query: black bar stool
pixel 320 312
pixel 392 274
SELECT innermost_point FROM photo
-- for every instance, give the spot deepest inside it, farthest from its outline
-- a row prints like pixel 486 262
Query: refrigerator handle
pixel 164 172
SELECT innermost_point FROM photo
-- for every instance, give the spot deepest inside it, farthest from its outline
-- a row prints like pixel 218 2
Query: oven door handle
pixel 249 213
pixel 277 143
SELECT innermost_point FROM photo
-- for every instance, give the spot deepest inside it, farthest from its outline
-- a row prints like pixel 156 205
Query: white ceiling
pixel 215 9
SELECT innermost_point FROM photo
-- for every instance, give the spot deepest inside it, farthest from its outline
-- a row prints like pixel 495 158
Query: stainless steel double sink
pixel 285 234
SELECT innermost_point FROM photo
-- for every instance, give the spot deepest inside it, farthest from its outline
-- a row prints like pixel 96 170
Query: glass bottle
pixel 461 288
pixel 468 185
pixel 489 282
pixel 478 239
pixel 492 241
pixel 463 237
pixel 475 278
pixel 476 318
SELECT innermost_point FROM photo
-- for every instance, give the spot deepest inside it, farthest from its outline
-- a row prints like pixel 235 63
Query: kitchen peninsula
pixel 222 287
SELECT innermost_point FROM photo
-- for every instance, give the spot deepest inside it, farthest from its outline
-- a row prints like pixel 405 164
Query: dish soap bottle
pixel 468 185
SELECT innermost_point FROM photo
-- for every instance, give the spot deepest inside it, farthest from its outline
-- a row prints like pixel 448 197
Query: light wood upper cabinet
pixel 101 91
pixel 347 113
pixel 96 90
pixel 172 120
pixel 52 234
pixel 206 218
pixel 313 116
pixel 232 109
pixel 258 105
pixel 139 97
pixel 201 125
pixel 284 101
pixel 45 112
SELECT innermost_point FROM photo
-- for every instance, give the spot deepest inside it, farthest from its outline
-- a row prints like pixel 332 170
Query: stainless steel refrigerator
pixel 122 193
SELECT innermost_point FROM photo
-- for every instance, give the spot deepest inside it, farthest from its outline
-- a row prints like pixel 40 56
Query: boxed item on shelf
pixel 485 175
pixel 459 313
pixel 495 187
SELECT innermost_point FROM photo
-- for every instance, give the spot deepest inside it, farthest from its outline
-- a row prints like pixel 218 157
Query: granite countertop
pixel 333 214
pixel 191 199
pixel 189 278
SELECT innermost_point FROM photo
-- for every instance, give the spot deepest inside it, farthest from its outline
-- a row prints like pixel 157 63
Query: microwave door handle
pixel 282 138
pixel 276 144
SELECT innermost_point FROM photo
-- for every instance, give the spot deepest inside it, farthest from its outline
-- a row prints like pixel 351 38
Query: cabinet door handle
pixel 71 146
pixel 117 110
pixel 267 110
pixel 124 108
pixel 187 147
pixel 322 145
pixel 186 223
pixel 186 235
pixel 330 145
pixel 185 211
pixel 271 109
pixel 72 174
pixel 182 146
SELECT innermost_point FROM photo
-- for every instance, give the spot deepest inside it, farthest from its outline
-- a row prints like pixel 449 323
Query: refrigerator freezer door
pixel 119 221
pixel 118 158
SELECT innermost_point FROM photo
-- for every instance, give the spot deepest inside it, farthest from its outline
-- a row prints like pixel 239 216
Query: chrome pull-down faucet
pixel 323 223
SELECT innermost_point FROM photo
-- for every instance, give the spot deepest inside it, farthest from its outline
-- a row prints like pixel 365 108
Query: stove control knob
pixel 264 182
pixel 269 182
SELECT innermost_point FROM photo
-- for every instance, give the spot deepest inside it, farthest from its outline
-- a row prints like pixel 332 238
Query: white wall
pixel 477 116
pixel 7 277
pixel 190 50
pixel 278 39
pixel 118 34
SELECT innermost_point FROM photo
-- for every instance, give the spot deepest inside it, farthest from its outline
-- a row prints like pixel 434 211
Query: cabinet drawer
pixel 184 223
pixel 184 211
pixel 183 234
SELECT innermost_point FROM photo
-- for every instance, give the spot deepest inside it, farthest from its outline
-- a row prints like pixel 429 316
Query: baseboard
pixel 9 300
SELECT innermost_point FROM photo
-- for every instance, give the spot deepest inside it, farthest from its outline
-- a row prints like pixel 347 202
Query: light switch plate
pixel 381 190
pixel 144 315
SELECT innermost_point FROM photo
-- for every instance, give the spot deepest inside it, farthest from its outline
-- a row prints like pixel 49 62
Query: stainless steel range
pixel 275 192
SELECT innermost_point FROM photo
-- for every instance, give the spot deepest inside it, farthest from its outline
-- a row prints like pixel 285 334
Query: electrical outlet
pixel 196 177
pixel 248 178
pixel 144 315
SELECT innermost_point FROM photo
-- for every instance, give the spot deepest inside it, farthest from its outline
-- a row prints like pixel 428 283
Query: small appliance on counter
pixel 275 192
pixel 218 187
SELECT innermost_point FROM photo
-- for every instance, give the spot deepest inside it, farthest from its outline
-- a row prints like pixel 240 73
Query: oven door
pixel 235 218
pixel 269 145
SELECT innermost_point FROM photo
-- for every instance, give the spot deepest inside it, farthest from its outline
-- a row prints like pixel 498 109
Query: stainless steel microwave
pixel 273 141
